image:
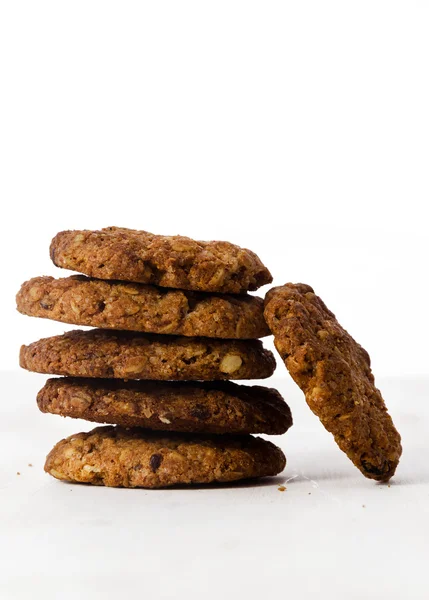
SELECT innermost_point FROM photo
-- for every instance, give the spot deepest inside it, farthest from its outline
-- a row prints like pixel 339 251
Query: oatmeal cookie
pixel 167 261
pixel 334 373
pixel 125 355
pixel 137 307
pixel 218 407
pixel 118 457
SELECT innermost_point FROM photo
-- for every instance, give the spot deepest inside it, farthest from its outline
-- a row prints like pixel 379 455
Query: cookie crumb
pixel 18 473
pixel 30 464
pixel 282 488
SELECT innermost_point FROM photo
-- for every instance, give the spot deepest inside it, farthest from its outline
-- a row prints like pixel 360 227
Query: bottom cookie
pixel 120 457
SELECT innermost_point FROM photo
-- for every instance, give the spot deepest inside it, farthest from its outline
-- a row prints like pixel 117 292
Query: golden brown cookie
pixel 217 407
pixel 125 355
pixel 138 307
pixel 334 373
pixel 168 261
pixel 118 457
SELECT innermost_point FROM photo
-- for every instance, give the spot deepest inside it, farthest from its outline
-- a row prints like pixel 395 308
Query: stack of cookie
pixel 174 324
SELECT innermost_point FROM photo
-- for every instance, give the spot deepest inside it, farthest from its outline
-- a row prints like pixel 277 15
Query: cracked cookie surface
pixel 168 261
pixel 217 407
pixel 129 355
pixel 119 457
pixel 334 373
pixel 137 307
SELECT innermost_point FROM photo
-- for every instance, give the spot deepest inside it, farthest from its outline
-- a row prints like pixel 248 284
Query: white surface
pixel 297 129
pixel 331 534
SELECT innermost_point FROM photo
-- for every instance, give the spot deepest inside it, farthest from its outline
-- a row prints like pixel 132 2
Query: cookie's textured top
pixel 334 372
pixel 218 407
pixel 138 307
pixel 125 355
pixel 168 261
pixel 118 457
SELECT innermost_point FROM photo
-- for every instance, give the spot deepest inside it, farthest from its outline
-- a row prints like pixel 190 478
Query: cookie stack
pixel 174 324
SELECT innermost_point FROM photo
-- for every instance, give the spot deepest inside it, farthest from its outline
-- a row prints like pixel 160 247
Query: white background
pixel 300 130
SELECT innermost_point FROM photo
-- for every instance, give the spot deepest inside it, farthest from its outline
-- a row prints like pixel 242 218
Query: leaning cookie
pixel 217 407
pixel 168 261
pixel 118 457
pixel 137 307
pixel 334 373
pixel 125 355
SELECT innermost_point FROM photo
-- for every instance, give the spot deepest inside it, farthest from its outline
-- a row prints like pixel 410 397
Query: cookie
pixel 334 373
pixel 218 407
pixel 119 457
pixel 168 261
pixel 125 355
pixel 138 307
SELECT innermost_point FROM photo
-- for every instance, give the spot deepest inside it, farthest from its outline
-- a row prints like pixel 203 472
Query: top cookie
pixel 167 261
pixel 334 373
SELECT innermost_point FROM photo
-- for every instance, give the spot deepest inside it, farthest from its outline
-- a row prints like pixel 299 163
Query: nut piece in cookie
pixel 334 373
pixel 167 261
pixel 204 407
pixel 138 307
pixel 129 355
pixel 118 457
